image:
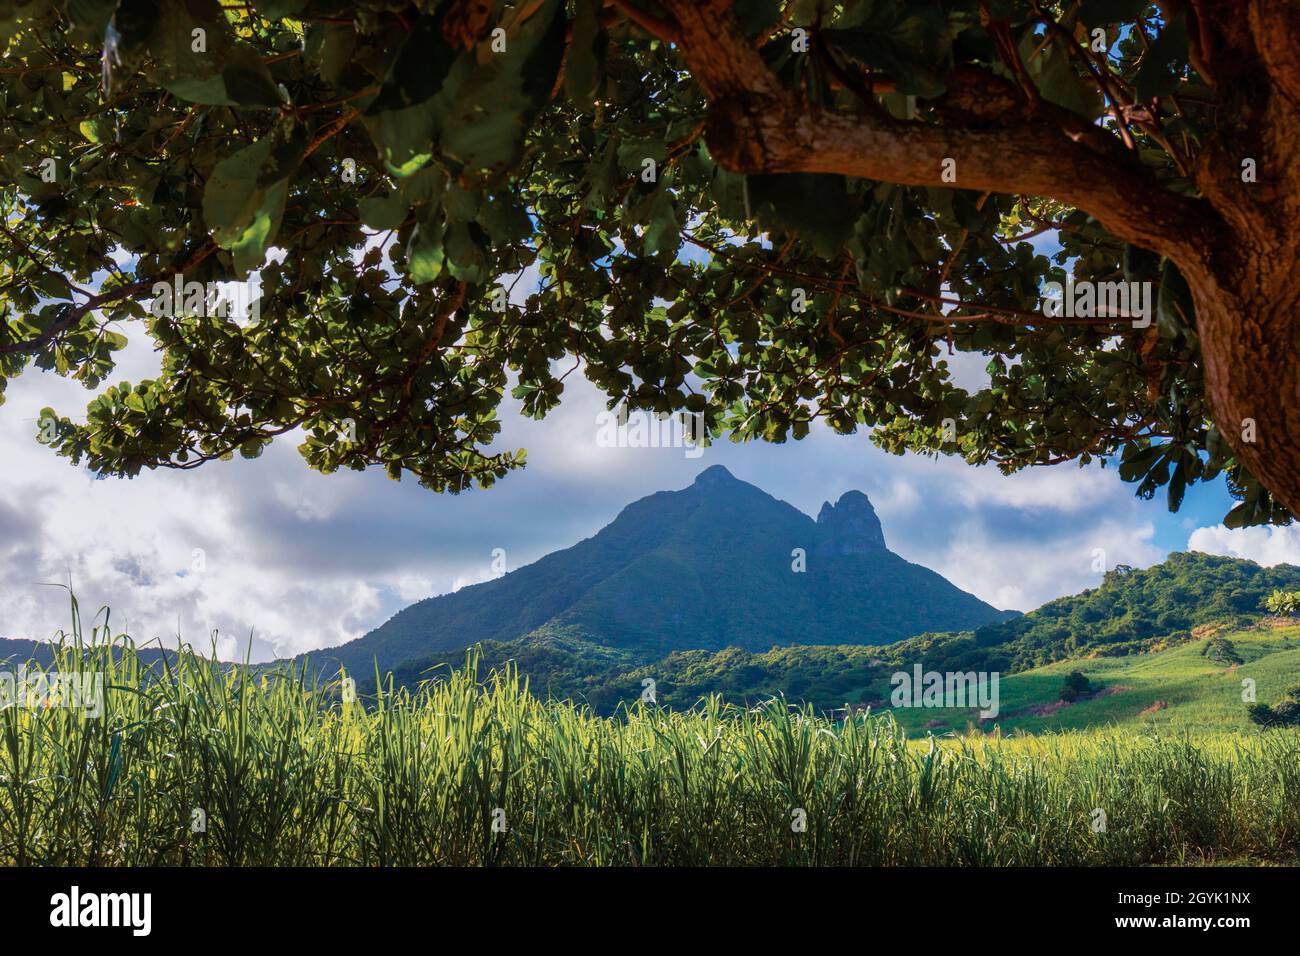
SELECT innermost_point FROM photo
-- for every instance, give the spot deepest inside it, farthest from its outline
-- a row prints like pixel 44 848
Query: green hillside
pixel 1194 684
pixel 1186 687
pixel 1133 608
pixel 1132 618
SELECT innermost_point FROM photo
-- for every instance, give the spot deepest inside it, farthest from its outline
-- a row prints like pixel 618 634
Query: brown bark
pixel 1236 243
pixel 756 125
pixel 1249 343
pixel 465 22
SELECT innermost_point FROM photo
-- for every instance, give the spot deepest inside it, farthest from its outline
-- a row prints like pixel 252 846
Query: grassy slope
pixel 287 779
pixel 1200 693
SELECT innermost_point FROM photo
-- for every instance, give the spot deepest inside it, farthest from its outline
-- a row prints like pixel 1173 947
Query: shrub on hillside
pixel 1076 685
pixel 1285 713
pixel 1222 650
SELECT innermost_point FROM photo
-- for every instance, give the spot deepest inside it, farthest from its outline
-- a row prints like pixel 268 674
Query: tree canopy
pixel 1282 603
pixel 764 213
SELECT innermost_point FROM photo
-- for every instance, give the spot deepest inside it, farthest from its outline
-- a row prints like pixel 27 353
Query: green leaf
pixel 486 108
pixel 383 212
pixel 1162 64
pixel 133 23
pixel 244 198
pixel 248 82
pixel 816 205
pixel 1174 306
pixel 1220 451
pixel 424 253
pixel 755 16
pixel 1177 488
pixel 417 71
pixel 201 63
pixel 466 258
pixel 209 90
pixel 404 138
pixel 94 130
pixel 1136 466
pixel 279 9
pixel 582 63
pixel 505 220
pixel 329 47
pixel 1060 83
pixel 913 53
pixel 663 235
pixel 1241 516
pixel 91 17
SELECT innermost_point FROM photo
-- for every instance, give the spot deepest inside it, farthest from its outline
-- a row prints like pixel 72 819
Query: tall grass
pixel 284 774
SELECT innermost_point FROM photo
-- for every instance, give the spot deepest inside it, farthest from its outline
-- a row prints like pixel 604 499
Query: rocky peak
pixel 714 476
pixel 850 526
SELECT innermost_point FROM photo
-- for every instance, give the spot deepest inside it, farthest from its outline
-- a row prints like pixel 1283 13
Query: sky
pixel 266 558
pixel 274 559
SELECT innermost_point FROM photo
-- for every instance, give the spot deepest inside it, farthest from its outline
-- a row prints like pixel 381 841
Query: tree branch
pixel 73 314
pixel 1276 29
pixel 756 125
pixel 654 25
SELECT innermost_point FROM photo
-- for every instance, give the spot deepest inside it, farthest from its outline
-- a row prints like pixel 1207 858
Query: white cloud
pixel 899 497
pixel 1015 574
pixel 1263 545
pixel 1063 488
pixel 227 548
pixel 303 561
pixel 967 370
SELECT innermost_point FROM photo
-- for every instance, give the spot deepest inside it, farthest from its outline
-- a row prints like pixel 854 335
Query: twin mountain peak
pixel 720 563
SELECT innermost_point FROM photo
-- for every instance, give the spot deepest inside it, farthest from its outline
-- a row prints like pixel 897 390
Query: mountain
pixel 718 564
pixel 21 649
pixel 1132 618
pixel 15 651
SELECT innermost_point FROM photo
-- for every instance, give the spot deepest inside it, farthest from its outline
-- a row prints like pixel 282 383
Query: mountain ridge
pixel 1187 599
pixel 716 564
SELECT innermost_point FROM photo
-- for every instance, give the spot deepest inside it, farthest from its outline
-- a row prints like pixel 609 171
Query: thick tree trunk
pixel 1237 243
pixel 1250 349
pixel 1244 279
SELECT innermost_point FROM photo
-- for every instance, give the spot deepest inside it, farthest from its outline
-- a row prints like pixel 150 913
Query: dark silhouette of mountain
pixel 15 651
pixel 721 563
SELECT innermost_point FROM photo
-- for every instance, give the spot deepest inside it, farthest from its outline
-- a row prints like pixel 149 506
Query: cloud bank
pixel 275 559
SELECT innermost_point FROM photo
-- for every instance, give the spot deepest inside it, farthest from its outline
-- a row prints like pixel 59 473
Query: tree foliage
pixel 392 170
pixel 1285 713
pixel 1282 603
pixel 1075 685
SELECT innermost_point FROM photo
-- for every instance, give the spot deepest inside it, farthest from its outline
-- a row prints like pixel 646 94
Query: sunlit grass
pixel 281 772
pixel 1181 688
